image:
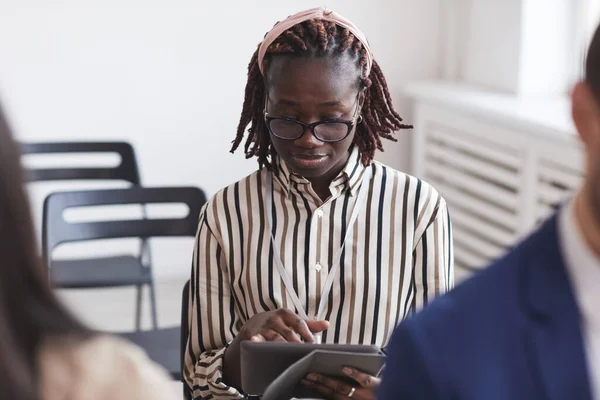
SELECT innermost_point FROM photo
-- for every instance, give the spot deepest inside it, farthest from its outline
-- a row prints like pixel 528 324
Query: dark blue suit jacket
pixel 512 332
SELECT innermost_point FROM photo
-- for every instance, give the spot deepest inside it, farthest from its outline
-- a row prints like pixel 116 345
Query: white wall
pixel 522 47
pixel 487 60
pixel 168 76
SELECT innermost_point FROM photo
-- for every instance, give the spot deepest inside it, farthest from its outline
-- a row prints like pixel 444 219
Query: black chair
pixel 185 331
pixel 162 345
pixel 82 273
pixel 127 170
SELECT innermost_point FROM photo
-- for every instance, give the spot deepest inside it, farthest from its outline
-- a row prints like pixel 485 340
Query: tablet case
pixel 283 365
pixel 328 363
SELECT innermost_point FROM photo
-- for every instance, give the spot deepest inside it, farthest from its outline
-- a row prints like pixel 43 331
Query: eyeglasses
pixel 331 130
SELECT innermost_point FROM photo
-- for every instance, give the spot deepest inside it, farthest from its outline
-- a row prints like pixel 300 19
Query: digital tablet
pixel 263 363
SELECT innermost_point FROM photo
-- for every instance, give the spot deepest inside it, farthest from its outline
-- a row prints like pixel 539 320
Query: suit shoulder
pixel 492 291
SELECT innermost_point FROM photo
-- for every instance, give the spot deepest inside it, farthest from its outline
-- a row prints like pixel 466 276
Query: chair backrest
pixel 127 170
pixel 56 230
pixel 185 331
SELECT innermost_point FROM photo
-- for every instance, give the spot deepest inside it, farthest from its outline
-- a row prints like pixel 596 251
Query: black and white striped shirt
pixel 398 256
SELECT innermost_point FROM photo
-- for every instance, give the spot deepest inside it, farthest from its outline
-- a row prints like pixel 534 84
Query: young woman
pixel 44 352
pixel 321 243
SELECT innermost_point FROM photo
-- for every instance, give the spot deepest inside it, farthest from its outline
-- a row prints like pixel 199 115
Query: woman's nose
pixel 308 140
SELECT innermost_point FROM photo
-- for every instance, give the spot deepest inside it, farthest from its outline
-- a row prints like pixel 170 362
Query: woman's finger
pixel 326 391
pixel 336 386
pixel 302 328
pixel 278 325
pixel 299 325
pixel 272 336
pixel 364 380
pixel 258 338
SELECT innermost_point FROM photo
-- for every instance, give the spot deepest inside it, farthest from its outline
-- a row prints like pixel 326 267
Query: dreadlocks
pixel 315 38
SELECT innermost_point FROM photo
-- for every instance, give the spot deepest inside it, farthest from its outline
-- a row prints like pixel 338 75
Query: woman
pixel 44 352
pixel 321 243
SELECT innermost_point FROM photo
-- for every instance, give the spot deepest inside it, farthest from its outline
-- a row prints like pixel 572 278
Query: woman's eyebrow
pixel 331 103
pixel 287 102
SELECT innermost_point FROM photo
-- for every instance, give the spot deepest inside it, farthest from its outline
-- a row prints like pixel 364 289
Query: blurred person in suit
pixel 45 353
pixel 527 327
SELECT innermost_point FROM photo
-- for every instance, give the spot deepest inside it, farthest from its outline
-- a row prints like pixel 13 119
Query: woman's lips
pixel 308 160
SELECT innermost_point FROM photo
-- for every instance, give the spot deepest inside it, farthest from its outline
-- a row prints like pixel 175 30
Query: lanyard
pixel 362 195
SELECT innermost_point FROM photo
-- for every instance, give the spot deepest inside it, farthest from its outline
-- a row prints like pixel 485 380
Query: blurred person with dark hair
pixel 45 353
pixel 527 327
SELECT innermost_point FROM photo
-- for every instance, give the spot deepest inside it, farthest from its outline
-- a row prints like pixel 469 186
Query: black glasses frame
pixel 349 123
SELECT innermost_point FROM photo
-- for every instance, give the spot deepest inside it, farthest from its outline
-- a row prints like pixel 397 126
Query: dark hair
pixel 592 64
pixel 318 38
pixel 29 311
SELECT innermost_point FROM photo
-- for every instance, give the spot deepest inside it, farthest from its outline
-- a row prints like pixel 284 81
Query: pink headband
pixel 315 13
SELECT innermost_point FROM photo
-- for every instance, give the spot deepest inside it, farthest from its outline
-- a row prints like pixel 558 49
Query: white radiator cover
pixel 500 179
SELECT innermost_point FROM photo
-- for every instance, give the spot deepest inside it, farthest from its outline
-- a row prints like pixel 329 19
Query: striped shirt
pixel 398 256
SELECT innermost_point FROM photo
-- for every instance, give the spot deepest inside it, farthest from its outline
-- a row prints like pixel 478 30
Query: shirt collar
pixel 350 177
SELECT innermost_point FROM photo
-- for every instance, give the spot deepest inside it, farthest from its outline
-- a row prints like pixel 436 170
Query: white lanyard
pixel 333 271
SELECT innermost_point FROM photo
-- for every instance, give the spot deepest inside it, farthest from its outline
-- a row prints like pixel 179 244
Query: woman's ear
pixel 361 98
pixel 586 114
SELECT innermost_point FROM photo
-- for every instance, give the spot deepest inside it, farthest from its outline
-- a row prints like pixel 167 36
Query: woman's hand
pixel 281 325
pixel 339 390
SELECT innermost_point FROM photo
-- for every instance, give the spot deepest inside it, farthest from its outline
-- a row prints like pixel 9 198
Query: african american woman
pixel 321 243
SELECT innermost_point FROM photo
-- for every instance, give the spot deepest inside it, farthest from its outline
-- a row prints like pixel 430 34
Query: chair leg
pixel 153 304
pixel 187 395
pixel 138 308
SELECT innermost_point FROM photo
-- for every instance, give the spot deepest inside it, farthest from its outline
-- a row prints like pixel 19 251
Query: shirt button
pixel 318 267
pixel 320 213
